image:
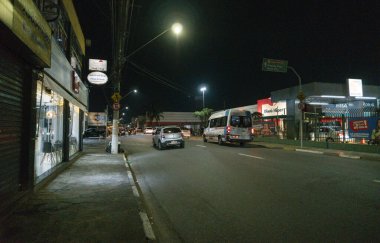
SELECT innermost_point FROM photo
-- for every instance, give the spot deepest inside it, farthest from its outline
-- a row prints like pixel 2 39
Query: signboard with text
pixel 273 65
pixel 97 119
pixel 97 65
pixel 361 127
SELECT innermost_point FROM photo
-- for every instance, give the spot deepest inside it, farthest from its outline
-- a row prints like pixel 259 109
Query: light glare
pixel 177 28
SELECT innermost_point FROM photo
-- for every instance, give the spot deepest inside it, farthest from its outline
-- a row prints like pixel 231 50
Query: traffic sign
pixel 116 106
pixel 116 97
pixel 273 65
pixel 301 106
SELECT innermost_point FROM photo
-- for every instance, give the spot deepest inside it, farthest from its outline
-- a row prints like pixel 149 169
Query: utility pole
pixel 120 10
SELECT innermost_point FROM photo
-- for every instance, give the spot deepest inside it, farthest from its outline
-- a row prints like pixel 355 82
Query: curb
pixel 328 153
pixel 147 224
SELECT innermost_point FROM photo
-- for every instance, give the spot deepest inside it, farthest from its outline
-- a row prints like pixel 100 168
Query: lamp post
pixel 203 89
pixel 177 29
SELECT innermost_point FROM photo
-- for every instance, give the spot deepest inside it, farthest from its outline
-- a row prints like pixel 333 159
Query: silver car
pixel 167 137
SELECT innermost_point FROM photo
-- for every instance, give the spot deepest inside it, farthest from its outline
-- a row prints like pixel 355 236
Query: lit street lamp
pixel 177 29
pixel 134 91
pixel 203 89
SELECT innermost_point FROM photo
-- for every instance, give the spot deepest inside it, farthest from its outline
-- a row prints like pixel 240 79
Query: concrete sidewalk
pixel 91 201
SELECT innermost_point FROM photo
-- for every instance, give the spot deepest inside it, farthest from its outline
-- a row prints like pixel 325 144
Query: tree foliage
pixel 204 115
pixel 154 114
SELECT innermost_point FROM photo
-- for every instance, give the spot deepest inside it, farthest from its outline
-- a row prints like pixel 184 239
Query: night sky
pixel 223 45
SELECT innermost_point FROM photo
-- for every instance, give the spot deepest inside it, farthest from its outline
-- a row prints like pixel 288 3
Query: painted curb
pixel 309 151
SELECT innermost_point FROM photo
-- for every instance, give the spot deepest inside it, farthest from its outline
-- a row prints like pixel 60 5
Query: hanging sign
pixel 97 65
pixel 97 78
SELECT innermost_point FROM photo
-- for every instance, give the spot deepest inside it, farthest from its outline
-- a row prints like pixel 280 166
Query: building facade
pixel 42 98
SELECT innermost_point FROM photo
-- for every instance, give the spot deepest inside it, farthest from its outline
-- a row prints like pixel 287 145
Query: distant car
pixel 167 137
pixel 148 130
pixel 186 132
pixel 93 132
pixel 329 134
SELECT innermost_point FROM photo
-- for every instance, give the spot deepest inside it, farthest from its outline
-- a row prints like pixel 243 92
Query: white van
pixel 232 125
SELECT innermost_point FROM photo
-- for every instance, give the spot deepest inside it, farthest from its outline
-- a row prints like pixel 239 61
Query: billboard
pixel 97 119
pixel 361 127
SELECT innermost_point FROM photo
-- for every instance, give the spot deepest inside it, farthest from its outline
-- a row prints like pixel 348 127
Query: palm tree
pixel 154 114
pixel 204 115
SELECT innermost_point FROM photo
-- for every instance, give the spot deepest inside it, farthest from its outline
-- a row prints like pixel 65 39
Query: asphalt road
pixel 211 193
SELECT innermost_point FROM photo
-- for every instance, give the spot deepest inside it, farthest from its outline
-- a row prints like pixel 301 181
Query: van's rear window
pixel 241 121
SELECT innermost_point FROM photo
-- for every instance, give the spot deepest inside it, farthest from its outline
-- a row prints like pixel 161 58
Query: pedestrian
pixel 375 136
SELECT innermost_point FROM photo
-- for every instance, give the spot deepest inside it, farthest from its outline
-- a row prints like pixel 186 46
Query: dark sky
pixel 223 46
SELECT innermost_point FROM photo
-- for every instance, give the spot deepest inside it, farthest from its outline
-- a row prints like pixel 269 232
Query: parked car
pixel 185 132
pixel 93 132
pixel 330 134
pixel 167 137
pixel 148 130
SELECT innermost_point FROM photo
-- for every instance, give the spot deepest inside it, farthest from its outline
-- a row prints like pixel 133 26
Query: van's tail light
pixel 228 129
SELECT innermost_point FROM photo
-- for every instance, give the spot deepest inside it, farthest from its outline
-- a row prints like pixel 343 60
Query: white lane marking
pixel 147 227
pixel 377 181
pixel 349 156
pixel 309 151
pixel 251 156
pixel 202 146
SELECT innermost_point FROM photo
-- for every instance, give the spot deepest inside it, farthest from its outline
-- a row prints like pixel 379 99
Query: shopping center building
pixel 325 105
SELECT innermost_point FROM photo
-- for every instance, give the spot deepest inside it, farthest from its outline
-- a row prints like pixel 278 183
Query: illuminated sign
pixel 355 87
pixel 274 109
pixel 97 78
pixel 97 65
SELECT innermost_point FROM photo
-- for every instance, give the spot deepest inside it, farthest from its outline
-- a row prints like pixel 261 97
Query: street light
pixel 203 89
pixel 177 29
pixel 130 92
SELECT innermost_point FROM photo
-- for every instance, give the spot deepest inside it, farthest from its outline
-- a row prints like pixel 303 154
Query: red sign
pixel 116 106
pixel 358 125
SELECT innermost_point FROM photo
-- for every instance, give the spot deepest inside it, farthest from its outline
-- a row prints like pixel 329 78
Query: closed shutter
pixel 12 71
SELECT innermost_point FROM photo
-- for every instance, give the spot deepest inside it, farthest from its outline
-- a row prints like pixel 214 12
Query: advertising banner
pixel 97 119
pixel 361 127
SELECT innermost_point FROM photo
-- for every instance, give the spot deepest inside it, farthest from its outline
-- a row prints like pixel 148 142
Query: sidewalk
pixel 91 201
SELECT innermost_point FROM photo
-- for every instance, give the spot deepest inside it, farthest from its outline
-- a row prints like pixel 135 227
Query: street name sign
pixel 273 65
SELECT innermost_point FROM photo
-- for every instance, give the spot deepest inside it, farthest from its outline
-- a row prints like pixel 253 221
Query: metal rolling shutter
pixel 12 72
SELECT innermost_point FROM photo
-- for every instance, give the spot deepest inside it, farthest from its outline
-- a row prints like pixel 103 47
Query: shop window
pixel 74 130
pixel 49 130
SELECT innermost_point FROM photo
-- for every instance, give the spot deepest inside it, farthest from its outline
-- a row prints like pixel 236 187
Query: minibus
pixel 232 125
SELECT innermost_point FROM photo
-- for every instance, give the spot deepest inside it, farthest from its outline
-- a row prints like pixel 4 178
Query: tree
pixel 154 114
pixel 204 115
pixel 256 115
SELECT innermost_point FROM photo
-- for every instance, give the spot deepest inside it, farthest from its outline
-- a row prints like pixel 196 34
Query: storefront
pixel 24 49
pixel 330 105
pixel 271 121
pixel 61 101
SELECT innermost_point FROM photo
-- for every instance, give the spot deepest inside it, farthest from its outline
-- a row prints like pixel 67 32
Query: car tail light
pixel 228 129
pixel 182 134
pixel 252 130
pixel 162 136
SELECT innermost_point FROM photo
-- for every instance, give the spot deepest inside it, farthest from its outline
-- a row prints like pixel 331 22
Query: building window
pixel 74 129
pixel 48 147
